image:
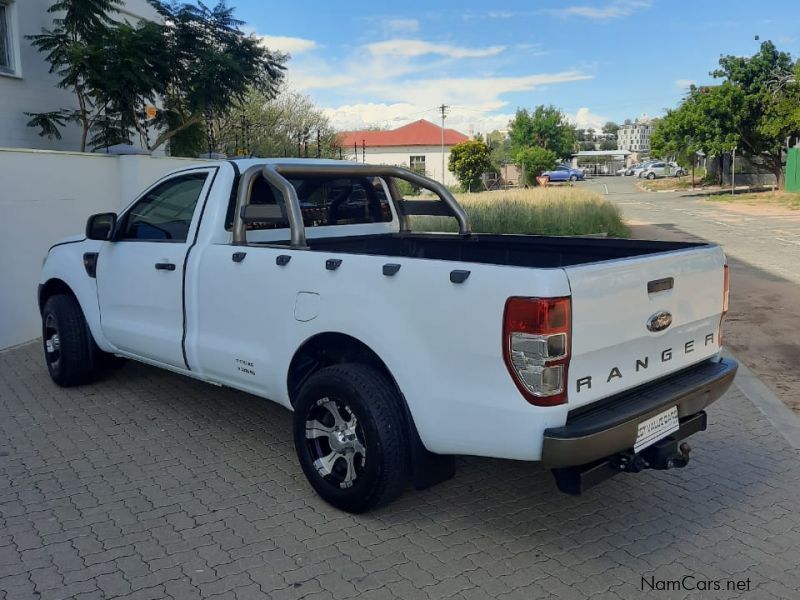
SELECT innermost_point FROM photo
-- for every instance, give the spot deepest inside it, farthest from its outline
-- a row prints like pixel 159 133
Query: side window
pixel 165 212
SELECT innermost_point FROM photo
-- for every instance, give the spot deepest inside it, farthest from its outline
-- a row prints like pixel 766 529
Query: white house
pixel 25 83
pixel 417 145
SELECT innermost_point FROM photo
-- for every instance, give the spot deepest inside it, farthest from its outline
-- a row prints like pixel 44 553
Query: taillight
pixel 726 293
pixel 536 346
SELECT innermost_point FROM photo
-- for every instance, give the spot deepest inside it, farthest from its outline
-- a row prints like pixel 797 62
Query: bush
pixel 541 211
pixel 535 161
pixel 469 161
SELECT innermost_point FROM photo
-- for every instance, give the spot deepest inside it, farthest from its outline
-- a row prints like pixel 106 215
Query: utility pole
pixel 733 172
pixel 443 108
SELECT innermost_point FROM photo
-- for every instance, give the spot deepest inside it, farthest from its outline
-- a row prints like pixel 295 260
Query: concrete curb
pixel 781 416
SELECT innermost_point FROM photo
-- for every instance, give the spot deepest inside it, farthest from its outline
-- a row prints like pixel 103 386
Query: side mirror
pixel 101 226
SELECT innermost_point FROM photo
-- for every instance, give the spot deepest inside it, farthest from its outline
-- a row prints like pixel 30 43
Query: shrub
pixel 535 161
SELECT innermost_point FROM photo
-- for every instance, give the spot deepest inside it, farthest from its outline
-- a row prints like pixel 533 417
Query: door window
pixel 165 212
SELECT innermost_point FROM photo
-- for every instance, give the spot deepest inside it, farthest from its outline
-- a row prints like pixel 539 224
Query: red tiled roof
pixel 418 133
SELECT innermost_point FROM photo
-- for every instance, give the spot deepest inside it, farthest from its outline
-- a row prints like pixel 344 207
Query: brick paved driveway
pixel 149 485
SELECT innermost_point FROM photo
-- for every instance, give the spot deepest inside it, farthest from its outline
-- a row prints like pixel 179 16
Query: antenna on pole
pixel 443 108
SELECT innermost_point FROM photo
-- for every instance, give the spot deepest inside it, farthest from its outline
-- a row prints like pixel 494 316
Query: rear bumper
pixel 610 426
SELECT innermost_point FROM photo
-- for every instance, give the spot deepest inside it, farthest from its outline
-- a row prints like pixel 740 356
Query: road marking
pixel 796 243
pixel 606 188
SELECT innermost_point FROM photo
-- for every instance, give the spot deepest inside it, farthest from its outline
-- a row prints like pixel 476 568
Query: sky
pixel 387 64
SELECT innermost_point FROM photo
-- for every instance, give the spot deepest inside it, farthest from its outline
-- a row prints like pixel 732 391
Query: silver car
pixel 662 169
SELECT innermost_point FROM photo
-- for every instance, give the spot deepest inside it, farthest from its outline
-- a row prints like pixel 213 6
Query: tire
pixel 370 451
pixel 573 178
pixel 651 175
pixel 70 352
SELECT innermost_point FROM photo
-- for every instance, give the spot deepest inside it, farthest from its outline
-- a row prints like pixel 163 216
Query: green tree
pixel 198 63
pixel 608 145
pixel 610 127
pixel 754 109
pixel 71 47
pixel 546 127
pixel 535 160
pixel 766 95
pixel 469 161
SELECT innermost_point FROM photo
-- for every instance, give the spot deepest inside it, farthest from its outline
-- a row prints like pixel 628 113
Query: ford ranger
pixel 304 282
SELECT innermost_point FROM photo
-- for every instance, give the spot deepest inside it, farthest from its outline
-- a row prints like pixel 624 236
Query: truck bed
pixel 510 250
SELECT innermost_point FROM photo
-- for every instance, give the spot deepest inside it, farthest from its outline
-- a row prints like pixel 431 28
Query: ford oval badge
pixel 659 321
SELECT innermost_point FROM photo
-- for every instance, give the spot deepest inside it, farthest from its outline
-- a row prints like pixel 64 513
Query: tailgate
pixel 619 337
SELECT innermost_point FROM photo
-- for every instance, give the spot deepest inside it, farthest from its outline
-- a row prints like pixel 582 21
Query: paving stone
pixel 146 485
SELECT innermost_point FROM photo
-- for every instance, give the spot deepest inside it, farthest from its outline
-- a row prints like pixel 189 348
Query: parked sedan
pixel 637 170
pixel 662 169
pixel 565 173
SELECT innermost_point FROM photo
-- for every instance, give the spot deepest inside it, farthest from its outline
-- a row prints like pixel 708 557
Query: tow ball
pixel 667 454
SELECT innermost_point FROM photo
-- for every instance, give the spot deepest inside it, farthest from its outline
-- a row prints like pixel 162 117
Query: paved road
pixel 769 241
pixel 149 485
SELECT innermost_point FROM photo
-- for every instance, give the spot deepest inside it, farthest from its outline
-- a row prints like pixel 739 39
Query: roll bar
pixel 278 175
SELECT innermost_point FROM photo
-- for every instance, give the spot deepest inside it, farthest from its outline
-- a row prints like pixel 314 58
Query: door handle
pixel 165 267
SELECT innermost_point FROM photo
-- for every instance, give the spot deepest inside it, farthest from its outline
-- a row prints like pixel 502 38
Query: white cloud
pixel 684 83
pixel 411 48
pixel 290 45
pixel 612 10
pixel 401 25
pixel 466 120
pixel 586 119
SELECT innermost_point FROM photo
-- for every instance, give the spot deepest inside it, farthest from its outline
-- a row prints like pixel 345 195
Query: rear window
pixel 326 201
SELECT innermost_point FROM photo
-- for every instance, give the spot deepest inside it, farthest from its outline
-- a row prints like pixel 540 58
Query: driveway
pixel 149 485
pixel 763 248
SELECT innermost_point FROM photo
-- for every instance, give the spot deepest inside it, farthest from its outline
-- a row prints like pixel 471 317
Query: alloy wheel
pixel 335 442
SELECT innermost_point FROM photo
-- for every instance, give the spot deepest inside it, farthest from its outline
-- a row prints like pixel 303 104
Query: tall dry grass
pixel 538 211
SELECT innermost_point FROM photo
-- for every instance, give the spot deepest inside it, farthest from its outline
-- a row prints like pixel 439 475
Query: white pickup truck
pixel 302 281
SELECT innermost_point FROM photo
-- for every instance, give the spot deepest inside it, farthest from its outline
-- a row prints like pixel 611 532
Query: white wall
pixel 399 156
pixel 46 196
pixel 32 88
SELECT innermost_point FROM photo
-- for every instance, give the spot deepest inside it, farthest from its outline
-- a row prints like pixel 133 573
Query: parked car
pixel 638 169
pixel 662 169
pixel 302 281
pixel 565 173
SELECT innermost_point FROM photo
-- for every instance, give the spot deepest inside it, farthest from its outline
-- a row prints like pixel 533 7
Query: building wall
pixel 635 137
pixel 400 156
pixel 32 88
pixel 47 196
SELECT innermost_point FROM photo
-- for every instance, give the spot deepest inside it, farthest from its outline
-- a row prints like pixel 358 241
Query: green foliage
pixel 546 127
pixel 754 109
pixel 608 145
pixel 198 63
pixel 610 127
pixel 535 161
pixel 542 211
pixel 469 161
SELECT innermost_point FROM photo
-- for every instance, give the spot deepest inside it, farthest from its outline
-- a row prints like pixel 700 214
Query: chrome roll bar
pixel 295 216
pixel 278 175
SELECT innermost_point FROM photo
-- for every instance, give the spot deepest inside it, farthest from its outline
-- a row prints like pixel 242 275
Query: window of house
pixel 417 163
pixel 6 55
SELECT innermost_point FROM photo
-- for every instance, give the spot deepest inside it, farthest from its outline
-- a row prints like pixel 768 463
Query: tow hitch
pixel 669 453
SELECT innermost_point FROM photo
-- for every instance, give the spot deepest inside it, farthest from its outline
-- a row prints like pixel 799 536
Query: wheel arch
pixel 50 288
pixel 331 347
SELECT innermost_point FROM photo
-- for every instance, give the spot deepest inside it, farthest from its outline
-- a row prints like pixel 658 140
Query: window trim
pixel 12 41
pixel 167 178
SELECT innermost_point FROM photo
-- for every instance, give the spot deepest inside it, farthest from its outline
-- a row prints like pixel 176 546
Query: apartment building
pixel 635 136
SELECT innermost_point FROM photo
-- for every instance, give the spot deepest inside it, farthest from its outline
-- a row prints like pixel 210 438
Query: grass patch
pixel 536 211
pixel 669 183
pixel 786 199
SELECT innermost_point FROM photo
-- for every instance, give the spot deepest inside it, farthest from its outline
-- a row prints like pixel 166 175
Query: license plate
pixel 655 428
